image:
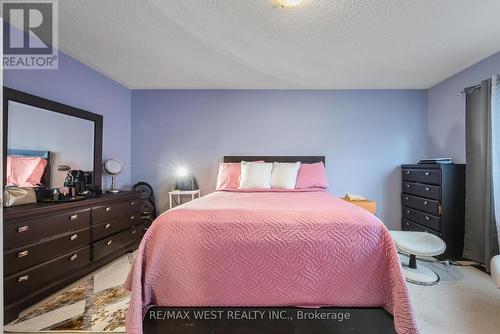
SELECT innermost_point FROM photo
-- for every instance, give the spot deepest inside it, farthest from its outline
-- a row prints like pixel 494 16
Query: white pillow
pixel 255 175
pixel 284 175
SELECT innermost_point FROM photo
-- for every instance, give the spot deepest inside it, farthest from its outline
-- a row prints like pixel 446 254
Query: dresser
pixel 433 200
pixel 48 246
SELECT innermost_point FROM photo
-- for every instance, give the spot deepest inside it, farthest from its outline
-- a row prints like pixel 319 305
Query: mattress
pixel 306 249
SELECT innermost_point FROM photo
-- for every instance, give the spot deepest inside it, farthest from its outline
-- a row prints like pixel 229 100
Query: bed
pixel 271 248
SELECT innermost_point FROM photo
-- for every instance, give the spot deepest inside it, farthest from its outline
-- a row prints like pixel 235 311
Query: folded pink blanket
pixel 268 249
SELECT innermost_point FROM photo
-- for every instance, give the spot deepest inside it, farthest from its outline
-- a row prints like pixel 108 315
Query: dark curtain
pixel 482 172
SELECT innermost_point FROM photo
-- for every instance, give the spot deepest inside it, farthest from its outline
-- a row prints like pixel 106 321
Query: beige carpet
pixel 470 306
pixel 98 304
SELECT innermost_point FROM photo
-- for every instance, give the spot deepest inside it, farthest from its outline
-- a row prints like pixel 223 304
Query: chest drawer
pixel 116 241
pixel 104 213
pixel 27 232
pixel 114 225
pixel 35 278
pixel 31 255
pixel 422 218
pixel 423 190
pixel 430 176
pixel 422 204
pixel 411 226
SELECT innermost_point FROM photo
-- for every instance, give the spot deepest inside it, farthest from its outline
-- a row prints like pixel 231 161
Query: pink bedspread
pixel 268 249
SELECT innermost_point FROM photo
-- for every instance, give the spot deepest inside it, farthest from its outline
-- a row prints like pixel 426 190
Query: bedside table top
pixel 184 192
pixel 365 204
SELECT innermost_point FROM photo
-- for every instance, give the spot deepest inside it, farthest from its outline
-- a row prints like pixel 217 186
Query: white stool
pixel 495 270
pixel 418 244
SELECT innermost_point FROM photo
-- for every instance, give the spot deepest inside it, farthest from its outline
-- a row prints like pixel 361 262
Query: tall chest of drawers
pixel 433 200
pixel 48 246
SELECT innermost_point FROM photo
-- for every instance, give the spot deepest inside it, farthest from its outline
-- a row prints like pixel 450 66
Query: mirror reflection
pixel 43 146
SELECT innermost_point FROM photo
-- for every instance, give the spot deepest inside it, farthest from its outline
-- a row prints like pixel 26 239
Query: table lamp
pixel 185 180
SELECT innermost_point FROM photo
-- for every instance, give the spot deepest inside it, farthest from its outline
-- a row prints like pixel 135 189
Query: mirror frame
pixel 10 94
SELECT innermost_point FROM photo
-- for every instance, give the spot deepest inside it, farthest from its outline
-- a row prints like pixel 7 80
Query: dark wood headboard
pixel 278 158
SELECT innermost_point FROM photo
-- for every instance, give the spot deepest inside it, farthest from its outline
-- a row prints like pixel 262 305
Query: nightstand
pixel 365 204
pixel 179 193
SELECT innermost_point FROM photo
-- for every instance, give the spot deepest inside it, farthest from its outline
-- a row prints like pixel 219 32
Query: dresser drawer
pixel 29 281
pixel 422 204
pixel 423 190
pixel 422 218
pixel 102 214
pixel 116 241
pixel 411 226
pixel 31 255
pixel 27 232
pixel 430 176
pixel 114 225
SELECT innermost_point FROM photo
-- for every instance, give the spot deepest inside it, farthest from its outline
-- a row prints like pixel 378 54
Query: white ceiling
pixel 255 44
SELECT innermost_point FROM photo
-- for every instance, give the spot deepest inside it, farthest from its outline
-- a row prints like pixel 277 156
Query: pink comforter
pixel 268 249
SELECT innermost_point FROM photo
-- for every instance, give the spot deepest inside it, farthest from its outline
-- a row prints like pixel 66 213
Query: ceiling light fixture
pixel 289 3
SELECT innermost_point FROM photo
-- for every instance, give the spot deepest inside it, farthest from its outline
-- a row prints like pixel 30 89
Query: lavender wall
pixel 446 110
pixel 80 86
pixel 365 135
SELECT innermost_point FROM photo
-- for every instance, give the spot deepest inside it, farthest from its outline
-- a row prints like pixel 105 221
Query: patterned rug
pixel 95 303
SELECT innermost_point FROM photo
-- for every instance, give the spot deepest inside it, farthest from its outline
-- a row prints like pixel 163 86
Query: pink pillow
pixel 311 176
pixel 229 175
pixel 25 171
pixel 36 176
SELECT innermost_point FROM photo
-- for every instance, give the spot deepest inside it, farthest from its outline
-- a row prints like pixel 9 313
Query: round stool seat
pixel 418 243
pixel 421 244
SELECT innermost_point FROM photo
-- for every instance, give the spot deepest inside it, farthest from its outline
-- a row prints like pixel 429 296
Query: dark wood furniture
pixel 48 246
pixel 433 200
pixel 10 94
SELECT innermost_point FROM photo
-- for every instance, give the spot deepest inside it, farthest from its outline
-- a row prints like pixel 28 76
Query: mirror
pixel 47 143
pixel 38 139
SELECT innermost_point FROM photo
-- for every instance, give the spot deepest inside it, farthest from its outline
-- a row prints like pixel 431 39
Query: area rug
pixel 95 303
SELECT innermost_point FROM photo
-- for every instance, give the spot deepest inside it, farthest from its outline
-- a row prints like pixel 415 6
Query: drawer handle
pixel 407 186
pixel 108 208
pixel 73 217
pixel 408 172
pixel 23 228
pixel 406 198
pixel 407 224
pixel 133 231
pixel 132 203
pixel 22 254
pixel 132 217
pixel 23 278
pixel 427 218
pixel 427 173
pixel 108 225
pixel 73 237
pixel 427 189
pixel 408 211
pixel 425 202
pixel 73 257
pixel 109 242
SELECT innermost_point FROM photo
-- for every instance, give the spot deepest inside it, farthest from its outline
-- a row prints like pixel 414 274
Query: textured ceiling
pixel 256 44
